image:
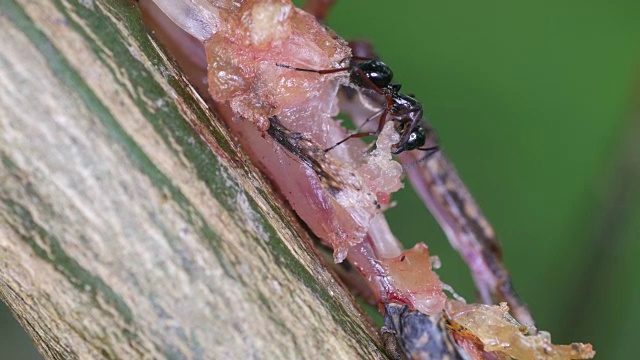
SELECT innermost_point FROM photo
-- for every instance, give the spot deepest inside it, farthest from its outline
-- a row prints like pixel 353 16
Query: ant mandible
pixel 404 109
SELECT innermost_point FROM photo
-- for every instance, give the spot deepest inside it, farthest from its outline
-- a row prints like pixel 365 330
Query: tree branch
pixel 131 225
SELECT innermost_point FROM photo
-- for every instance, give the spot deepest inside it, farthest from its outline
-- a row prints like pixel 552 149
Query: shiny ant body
pixel 403 109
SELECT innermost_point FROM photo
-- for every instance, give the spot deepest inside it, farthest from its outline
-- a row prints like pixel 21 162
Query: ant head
pixel 376 71
pixel 415 139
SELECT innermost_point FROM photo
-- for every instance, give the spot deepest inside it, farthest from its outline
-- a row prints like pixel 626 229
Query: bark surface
pixel 131 225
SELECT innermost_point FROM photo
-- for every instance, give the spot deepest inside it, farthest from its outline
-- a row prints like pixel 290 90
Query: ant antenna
pixel 321 72
pixel 361 58
pixel 430 151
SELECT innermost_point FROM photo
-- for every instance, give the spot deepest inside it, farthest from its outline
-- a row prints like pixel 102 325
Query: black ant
pixel 404 109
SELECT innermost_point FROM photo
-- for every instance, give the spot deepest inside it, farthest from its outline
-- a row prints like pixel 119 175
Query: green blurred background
pixel 535 104
pixel 538 105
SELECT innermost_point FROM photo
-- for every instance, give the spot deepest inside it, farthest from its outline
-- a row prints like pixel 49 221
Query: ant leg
pixel 352 136
pixel 385 112
pixel 377 113
pixel 363 134
pixel 430 151
pixel 383 119
pixel 321 72
pixel 368 84
pixel 430 148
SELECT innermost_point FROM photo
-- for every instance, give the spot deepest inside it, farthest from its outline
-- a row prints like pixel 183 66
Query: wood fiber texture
pixel 131 225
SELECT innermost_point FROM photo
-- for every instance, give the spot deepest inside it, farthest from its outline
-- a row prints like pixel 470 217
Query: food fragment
pixel 381 172
pixel 284 119
pixel 413 281
pixel 343 186
pixel 243 57
pixel 328 191
pixel 501 333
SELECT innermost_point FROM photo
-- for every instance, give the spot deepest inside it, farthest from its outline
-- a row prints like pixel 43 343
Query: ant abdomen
pixel 375 71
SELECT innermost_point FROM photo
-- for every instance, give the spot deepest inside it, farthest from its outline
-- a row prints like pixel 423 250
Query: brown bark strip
pixel 122 233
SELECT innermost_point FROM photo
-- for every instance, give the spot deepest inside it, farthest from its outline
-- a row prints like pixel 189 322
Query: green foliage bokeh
pixel 531 101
